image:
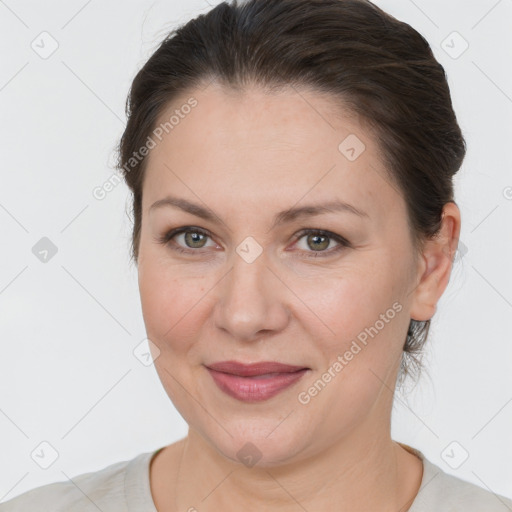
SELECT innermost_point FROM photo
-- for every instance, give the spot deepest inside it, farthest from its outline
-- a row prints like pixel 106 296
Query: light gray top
pixel 125 487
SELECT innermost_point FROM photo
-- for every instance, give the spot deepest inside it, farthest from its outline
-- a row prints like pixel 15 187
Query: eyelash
pixel 343 243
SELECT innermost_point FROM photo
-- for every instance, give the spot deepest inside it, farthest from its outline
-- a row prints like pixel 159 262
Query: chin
pixel 258 444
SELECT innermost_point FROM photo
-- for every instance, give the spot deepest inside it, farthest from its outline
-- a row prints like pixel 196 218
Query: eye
pixel 318 240
pixel 192 238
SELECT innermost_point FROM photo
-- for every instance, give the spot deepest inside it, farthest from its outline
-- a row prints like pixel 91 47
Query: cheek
pixel 172 303
pixel 348 304
pixel 362 321
pixel 366 321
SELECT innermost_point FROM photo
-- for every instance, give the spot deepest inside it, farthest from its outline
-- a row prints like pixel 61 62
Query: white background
pixel 68 327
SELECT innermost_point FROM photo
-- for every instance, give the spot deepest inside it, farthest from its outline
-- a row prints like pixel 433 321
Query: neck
pixel 339 478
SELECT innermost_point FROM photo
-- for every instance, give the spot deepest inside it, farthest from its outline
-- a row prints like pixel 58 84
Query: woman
pixel 291 164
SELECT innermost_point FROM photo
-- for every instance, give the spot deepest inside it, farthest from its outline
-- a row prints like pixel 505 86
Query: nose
pixel 251 300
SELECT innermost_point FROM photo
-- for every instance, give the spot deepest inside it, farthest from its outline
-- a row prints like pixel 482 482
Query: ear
pixel 435 265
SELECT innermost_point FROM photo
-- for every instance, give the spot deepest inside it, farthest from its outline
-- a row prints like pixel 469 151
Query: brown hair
pixel 380 68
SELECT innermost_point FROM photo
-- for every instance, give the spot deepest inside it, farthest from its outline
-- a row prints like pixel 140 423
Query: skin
pixel 246 157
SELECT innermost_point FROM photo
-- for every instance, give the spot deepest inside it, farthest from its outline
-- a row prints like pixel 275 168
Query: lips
pixel 254 382
pixel 253 369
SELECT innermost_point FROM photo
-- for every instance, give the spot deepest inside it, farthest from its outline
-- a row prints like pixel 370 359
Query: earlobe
pixel 435 265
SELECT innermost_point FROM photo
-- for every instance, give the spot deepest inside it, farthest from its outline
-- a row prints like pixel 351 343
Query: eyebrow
pixel 286 216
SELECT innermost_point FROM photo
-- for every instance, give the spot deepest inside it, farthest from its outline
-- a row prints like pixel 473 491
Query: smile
pixel 256 382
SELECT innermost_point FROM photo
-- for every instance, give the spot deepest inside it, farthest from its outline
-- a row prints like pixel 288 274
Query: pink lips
pixel 254 382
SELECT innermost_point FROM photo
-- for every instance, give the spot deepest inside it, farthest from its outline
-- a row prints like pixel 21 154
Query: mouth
pixel 255 382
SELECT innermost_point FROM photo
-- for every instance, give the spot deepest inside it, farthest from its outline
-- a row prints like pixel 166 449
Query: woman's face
pixel 257 288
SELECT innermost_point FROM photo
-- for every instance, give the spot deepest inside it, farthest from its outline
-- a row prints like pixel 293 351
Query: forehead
pixel 267 148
